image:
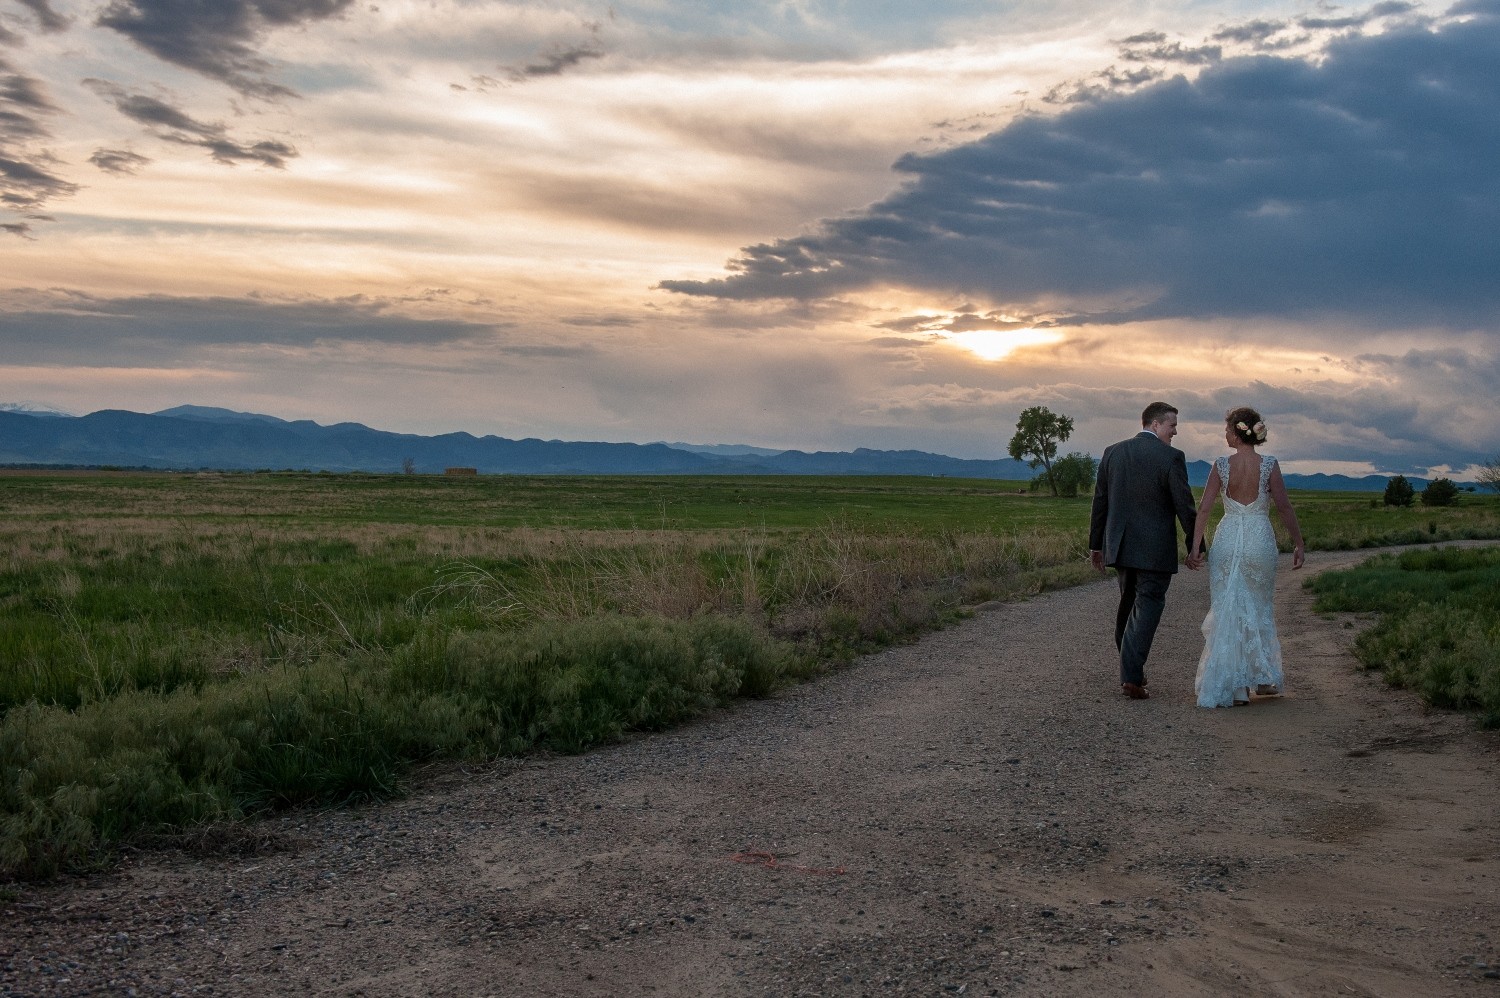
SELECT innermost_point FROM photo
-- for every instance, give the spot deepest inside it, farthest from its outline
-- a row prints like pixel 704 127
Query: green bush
pixel 1398 492
pixel 1440 492
pixel 1072 474
pixel 1439 632
pixel 78 781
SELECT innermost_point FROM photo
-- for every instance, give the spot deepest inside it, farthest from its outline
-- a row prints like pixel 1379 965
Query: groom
pixel 1142 489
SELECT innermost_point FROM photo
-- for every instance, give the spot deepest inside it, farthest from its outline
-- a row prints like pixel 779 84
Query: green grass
pixel 1342 521
pixel 183 649
pixel 1439 627
pixel 187 649
pixel 574 502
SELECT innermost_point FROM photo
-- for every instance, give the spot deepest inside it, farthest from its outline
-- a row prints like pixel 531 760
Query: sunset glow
pixel 997 344
pixel 813 225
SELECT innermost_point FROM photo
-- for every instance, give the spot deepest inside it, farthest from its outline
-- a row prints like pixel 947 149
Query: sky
pixel 811 224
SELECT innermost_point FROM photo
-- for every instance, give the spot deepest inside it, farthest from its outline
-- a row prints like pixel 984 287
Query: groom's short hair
pixel 1156 411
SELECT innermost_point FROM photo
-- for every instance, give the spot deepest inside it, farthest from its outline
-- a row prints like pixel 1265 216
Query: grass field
pixel 1439 626
pixel 176 649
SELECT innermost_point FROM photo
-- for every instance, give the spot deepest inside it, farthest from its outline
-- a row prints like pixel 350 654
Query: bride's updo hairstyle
pixel 1246 424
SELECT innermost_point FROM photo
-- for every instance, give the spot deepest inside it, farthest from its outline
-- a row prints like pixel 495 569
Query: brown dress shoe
pixel 1135 692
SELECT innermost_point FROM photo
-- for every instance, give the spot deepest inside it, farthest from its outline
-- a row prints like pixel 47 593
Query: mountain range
pixel 190 437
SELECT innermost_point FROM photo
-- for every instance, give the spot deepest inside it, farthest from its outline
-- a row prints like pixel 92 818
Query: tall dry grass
pixel 163 674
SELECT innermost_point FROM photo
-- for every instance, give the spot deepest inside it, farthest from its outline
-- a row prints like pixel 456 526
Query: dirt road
pixel 978 813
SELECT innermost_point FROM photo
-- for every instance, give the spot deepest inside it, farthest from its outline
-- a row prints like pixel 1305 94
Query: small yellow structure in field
pixel 460 471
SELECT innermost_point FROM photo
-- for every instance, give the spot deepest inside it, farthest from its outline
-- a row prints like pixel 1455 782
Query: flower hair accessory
pixel 1256 432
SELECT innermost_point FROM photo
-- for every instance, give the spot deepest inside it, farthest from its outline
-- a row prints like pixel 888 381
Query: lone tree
pixel 1038 432
pixel 1489 475
pixel 1398 492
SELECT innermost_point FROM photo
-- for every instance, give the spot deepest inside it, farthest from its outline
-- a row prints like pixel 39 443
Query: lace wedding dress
pixel 1240 647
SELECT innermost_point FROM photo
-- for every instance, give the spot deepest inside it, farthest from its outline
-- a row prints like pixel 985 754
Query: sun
pixel 997 344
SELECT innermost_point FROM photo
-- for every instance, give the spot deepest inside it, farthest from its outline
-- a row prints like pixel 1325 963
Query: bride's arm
pixel 1200 525
pixel 1277 487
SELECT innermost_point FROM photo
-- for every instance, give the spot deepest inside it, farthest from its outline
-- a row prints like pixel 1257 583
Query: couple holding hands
pixel 1141 496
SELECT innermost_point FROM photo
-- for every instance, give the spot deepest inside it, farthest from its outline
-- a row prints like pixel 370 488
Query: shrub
pixel 1398 492
pixel 1439 630
pixel 1073 474
pixel 1440 492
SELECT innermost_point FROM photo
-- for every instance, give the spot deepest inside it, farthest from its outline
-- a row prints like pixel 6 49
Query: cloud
pixel 601 321
pixel 174 125
pixel 217 39
pixel 18 90
pixel 28 177
pixel 22 101
pixel 1396 426
pixel 1158 50
pixel 73 326
pixel 27 186
pixel 47 19
pixel 555 64
pixel 1391 8
pixel 1363 185
pixel 118 160
pixel 1257 32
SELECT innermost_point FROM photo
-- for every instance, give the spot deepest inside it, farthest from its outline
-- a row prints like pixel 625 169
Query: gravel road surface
pixel 977 813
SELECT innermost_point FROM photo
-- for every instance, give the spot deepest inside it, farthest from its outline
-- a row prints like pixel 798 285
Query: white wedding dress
pixel 1240 647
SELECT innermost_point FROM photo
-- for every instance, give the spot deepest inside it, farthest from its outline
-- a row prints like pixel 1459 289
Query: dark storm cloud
pixel 63 327
pixel 28 176
pixel 1162 51
pixel 1394 8
pixel 46 18
pixel 554 64
pixel 1365 185
pixel 1401 426
pixel 20 91
pixel 217 39
pixel 1101 84
pixel 27 186
pixel 1251 32
pixel 175 125
pixel 23 102
pixel 118 160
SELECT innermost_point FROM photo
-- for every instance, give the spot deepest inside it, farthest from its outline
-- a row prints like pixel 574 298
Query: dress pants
pixel 1143 597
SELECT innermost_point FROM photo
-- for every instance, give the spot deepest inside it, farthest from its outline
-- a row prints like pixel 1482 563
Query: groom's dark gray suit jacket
pixel 1142 489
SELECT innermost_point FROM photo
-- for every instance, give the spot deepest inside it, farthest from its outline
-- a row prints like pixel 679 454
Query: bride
pixel 1240 647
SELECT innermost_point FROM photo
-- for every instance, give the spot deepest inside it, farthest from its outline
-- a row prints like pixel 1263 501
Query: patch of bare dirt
pixel 979 813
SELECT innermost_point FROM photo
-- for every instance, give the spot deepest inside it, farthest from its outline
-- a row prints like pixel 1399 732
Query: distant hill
pixel 198 437
pixel 34 409
pixel 192 437
pixel 724 450
pixel 210 413
pixel 131 439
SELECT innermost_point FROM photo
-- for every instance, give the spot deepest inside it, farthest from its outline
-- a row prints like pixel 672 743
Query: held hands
pixel 1195 561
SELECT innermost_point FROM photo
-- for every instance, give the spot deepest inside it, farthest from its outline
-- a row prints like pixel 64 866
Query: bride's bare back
pixel 1244 476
